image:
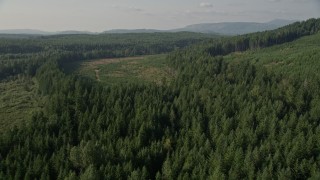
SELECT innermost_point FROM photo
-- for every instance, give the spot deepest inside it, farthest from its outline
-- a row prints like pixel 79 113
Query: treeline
pixel 102 45
pixel 263 39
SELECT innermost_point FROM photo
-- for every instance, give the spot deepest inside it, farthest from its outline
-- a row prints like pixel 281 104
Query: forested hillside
pixel 24 54
pixel 244 107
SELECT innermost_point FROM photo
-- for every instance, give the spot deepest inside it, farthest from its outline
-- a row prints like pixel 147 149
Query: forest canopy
pixel 217 119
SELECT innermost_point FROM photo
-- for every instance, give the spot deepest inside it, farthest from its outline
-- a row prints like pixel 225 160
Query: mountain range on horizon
pixel 236 28
pixel 223 28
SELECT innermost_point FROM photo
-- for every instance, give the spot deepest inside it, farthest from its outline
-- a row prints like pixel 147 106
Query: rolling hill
pixel 224 28
pixel 235 28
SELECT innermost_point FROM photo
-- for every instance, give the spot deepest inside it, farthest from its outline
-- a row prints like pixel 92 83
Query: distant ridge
pixel 124 31
pixel 224 28
pixel 39 32
pixel 75 32
pixel 24 31
pixel 235 28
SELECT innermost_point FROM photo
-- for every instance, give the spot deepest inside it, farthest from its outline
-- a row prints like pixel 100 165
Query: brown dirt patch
pixel 112 60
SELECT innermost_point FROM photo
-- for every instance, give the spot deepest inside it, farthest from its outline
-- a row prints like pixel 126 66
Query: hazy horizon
pixel 98 15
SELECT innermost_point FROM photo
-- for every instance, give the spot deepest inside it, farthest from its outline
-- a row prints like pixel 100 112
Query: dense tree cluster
pixel 14 65
pixel 216 120
pixel 103 45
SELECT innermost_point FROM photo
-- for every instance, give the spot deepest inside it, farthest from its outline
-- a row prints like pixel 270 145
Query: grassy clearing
pixel 143 69
pixel 18 100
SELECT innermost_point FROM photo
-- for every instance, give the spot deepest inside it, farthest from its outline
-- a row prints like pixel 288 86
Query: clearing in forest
pixel 142 69
pixel 19 99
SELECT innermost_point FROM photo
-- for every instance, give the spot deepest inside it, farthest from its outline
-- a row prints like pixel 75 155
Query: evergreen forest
pixel 224 107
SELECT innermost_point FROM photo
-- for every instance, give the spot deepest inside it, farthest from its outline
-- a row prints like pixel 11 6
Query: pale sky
pixel 101 15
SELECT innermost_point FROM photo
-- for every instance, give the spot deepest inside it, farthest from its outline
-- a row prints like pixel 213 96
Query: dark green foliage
pixel 103 45
pixel 217 119
pixel 14 65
